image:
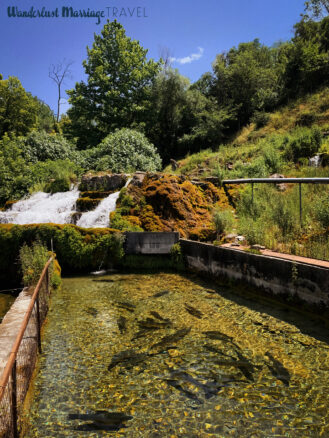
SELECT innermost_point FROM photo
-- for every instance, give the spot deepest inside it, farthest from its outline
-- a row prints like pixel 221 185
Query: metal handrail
pixel 13 354
pixel 277 180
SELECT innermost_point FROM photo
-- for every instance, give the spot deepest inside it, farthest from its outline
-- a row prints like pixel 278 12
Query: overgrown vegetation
pixel 77 249
pixel 33 259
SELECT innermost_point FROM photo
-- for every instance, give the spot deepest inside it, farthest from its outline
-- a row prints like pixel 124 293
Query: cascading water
pixel 99 218
pixel 42 208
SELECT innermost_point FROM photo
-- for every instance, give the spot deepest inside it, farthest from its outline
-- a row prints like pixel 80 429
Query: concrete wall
pixel 150 243
pixel 275 276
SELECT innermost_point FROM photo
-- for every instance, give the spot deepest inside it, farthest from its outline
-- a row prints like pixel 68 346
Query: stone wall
pixel 280 277
pixel 150 243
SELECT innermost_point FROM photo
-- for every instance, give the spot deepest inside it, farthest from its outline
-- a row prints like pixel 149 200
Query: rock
pixel 281 187
pixel 315 161
pixel 75 217
pixel 107 182
pixel 174 164
pixel 230 237
pixel 213 179
pixel 240 238
pixel 138 179
pixel 258 247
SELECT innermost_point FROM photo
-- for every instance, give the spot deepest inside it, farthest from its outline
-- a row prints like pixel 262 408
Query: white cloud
pixel 190 58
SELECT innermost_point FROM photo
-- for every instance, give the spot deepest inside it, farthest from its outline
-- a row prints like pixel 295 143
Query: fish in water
pixel 92 311
pixel 160 294
pixel 193 311
pixel 179 334
pixel 127 306
pixel 157 316
pixel 218 336
pixel 152 324
pixel 122 324
pixel 278 370
pixel 127 358
pixel 210 388
pixel 104 281
pixel 216 350
pixel 101 420
pixel 175 384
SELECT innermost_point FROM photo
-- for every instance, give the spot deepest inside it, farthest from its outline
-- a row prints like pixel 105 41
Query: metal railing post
pixel 14 400
pixel 38 324
pixel 300 205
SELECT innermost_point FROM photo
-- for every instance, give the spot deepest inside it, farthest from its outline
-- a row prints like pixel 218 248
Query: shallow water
pixel 262 371
pixel 6 301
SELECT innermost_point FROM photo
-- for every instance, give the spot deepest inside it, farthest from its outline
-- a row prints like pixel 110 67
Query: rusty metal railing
pixel 17 373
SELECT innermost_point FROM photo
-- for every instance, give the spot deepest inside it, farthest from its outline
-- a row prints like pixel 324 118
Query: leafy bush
pixel 124 151
pixel 272 159
pixel 223 221
pixel 40 146
pixel 321 210
pixel 260 118
pixel 122 223
pixel 13 171
pixel 33 259
pixel 303 143
pixel 306 119
pixel 53 176
pixel 283 214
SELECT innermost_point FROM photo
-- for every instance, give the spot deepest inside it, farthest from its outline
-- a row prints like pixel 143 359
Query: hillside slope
pixel 284 144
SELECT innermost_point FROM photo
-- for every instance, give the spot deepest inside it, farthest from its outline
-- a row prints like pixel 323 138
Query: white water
pixel 100 217
pixel 42 208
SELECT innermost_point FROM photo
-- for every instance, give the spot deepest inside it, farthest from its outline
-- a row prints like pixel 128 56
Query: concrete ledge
pixel 11 325
pixel 276 276
pixel 149 243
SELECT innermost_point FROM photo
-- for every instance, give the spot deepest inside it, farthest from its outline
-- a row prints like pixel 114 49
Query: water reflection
pixel 179 358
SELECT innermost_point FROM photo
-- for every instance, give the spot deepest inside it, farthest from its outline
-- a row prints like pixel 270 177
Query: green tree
pixel 13 171
pixel 317 8
pixel 168 97
pixel 18 109
pixel 116 92
pixel 247 79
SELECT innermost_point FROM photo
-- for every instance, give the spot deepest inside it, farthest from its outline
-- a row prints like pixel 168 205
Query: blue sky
pixel 193 31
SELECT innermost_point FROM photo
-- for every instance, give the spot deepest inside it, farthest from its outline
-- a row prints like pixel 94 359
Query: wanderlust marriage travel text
pixel 70 12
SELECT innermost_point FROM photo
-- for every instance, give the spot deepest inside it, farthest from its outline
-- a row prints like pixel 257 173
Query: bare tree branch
pixel 58 73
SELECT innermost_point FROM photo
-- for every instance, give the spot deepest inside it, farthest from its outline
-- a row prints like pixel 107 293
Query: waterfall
pixel 100 217
pixel 42 208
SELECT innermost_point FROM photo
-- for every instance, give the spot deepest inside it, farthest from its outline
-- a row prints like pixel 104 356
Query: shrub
pixel 122 223
pixel 283 214
pixel 272 159
pixel 223 221
pixel 306 119
pixel 40 146
pixel 53 176
pixel 304 143
pixel 33 259
pixel 321 211
pixel 125 150
pixel 260 118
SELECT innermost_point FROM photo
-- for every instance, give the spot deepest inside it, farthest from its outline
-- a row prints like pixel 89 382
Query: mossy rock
pixel 96 194
pixel 87 204
pixel 8 205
